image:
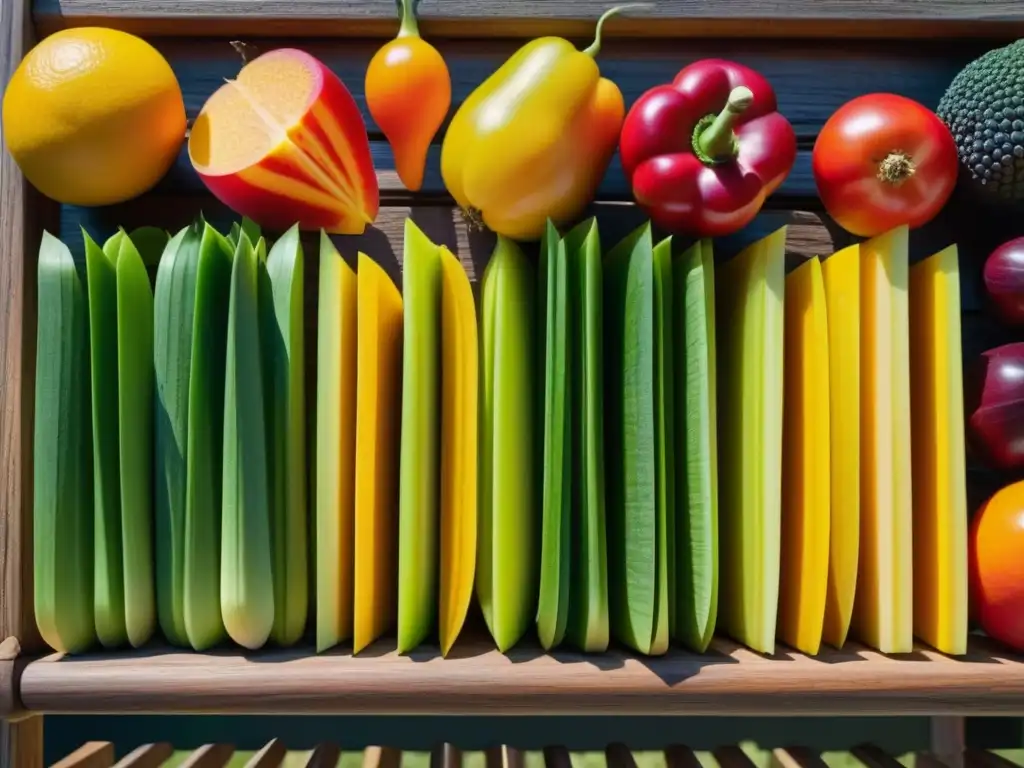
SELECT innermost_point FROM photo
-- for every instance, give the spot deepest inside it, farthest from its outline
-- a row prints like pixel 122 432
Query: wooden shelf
pixel 729 680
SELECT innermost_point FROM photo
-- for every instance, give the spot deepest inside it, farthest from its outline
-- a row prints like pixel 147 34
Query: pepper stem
pixel 896 168
pixel 407 13
pixel 717 140
pixel 595 47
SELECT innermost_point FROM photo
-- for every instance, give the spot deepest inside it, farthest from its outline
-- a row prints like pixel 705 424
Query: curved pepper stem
pixel 716 141
pixel 407 12
pixel 595 47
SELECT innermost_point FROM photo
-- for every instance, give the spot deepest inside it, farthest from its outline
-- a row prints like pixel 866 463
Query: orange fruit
pixel 93 116
pixel 997 566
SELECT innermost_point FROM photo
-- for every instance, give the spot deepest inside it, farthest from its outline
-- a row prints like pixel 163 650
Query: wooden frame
pixel 730 681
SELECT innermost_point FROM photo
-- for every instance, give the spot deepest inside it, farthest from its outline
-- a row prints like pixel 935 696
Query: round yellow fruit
pixel 93 116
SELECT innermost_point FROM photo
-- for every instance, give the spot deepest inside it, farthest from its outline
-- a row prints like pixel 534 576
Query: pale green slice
pixel 587 626
pixel 419 483
pixel 246 573
pixel 631 438
pixel 507 578
pixel 696 532
pixel 62 498
pixel 282 335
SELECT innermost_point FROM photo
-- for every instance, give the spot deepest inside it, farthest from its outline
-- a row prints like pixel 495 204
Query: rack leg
pixel 21 743
pixel 947 740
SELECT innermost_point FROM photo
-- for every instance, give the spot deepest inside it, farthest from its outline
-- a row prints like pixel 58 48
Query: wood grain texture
pixel 146 756
pixel 668 18
pixel 477 680
pixel 94 754
pixel 21 743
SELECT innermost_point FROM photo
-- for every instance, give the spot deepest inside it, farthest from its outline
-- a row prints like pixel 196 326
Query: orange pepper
pixel 408 91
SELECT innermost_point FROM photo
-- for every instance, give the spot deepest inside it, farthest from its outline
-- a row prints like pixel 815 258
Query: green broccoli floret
pixel 984 110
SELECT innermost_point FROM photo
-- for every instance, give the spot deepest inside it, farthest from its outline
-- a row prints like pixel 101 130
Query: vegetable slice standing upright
pixel 553 298
pixel 507 577
pixel 189 341
pixel 749 306
pixel 335 447
pixel 841 275
pixel 938 454
pixel 378 404
pixel 418 475
pixel 883 607
pixel 62 511
pixel 460 438
pixel 635 311
pixel 247 563
pixel 806 461
pixel 588 625
pixel 282 336
pixel 696 521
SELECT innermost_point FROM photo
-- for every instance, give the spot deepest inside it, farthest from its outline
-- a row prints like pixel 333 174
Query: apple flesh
pixel 284 143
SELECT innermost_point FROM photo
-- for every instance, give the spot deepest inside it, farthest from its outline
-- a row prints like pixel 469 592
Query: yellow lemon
pixel 93 116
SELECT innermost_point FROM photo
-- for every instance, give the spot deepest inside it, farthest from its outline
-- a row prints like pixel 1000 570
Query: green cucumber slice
pixel 419 484
pixel 553 297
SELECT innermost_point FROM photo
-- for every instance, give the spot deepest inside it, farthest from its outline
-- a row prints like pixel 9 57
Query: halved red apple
pixel 284 143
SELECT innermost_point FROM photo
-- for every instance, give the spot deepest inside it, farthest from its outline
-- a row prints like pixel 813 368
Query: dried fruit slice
pixel 806 461
pixel 335 447
pixel 553 298
pixel 285 143
pixel 749 306
pixel 378 405
pixel 506 584
pixel 939 463
pixel 883 612
pixel 588 625
pixel 418 482
pixel 696 521
pixel 459 436
pixel 841 275
pixel 62 508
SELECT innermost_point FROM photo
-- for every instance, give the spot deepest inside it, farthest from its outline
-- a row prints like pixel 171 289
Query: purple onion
pixel 994 400
pixel 1004 281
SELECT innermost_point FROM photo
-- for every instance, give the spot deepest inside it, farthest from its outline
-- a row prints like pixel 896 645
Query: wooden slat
pixel 209 756
pixel 325 755
pixel 271 756
pixel 982 758
pixel 732 757
pixel 146 756
pixel 382 757
pixel 796 757
pixel 729 680
pixel 446 756
pixel 948 740
pixel 557 757
pixel 94 754
pixel 681 756
pixel 874 757
pixel 668 18
pixel 21 743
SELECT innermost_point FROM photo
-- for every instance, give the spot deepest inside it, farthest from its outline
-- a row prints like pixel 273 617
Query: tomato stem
pixel 595 47
pixel 407 12
pixel 713 139
pixel 896 168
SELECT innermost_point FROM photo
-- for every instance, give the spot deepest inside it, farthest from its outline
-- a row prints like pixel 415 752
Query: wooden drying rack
pixel 816 53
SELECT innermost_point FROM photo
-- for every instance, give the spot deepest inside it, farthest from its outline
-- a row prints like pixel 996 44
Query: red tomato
pixel 996 553
pixel 884 160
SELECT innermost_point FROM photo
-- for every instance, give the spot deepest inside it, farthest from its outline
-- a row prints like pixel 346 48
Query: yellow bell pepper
pixel 533 141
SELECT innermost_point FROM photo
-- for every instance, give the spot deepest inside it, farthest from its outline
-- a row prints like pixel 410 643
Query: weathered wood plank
pixel 668 18
pixel 475 679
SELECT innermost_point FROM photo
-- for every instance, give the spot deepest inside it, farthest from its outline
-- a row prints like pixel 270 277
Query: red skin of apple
pixel 994 398
pixel 333 182
pixel 1004 281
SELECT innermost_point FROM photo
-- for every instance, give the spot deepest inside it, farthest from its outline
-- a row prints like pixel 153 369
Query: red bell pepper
pixel 703 153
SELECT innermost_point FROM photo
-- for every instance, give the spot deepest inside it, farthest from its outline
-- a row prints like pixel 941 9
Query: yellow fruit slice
pixel 883 615
pixel 939 485
pixel 805 461
pixel 841 273
pixel 93 116
pixel 459 399
pixel 378 416
pixel 750 328
pixel 335 447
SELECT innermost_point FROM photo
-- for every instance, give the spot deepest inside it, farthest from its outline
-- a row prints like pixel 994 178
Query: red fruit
pixel 882 161
pixel 285 143
pixel 1004 280
pixel 996 563
pixel 994 400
